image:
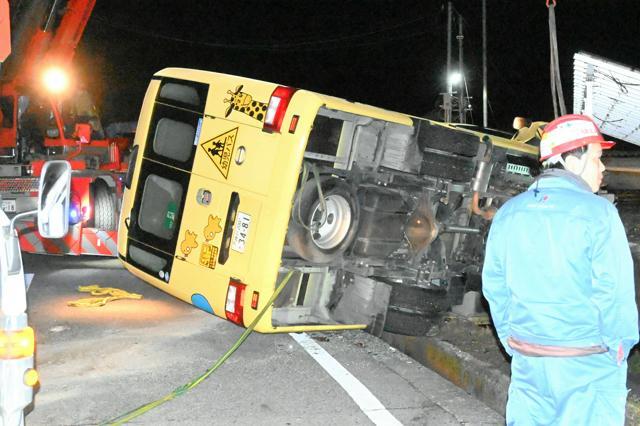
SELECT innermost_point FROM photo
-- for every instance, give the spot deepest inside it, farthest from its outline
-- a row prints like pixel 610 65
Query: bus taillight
pixel 278 104
pixel 235 302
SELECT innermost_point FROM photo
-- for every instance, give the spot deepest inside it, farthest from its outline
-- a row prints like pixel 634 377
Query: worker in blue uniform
pixel 558 276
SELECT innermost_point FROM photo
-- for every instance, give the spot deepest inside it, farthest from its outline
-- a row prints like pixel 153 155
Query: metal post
pixel 447 96
pixel 461 101
pixel 485 102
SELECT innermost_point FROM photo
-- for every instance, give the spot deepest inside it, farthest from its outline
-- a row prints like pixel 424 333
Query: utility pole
pixel 461 101
pixel 485 112
pixel 447 98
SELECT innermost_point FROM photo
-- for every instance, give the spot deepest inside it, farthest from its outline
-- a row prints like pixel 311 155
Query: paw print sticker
pixel 213 227
pixel 189 243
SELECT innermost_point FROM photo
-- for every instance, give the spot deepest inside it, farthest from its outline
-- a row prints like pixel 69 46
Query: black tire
pixel 428 302
pixel 414 310
pixel 104 206
pixel 300 239
pixel 407 324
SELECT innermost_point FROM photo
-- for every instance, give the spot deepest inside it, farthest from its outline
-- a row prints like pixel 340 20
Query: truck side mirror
pixel 53 199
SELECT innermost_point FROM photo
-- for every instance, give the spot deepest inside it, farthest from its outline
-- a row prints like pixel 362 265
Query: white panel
pixel 615 95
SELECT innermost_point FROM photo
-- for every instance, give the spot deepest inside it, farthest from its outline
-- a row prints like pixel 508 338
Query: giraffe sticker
pixel 213 227
pixel 244 103
pixel 189 243
pixel 219 150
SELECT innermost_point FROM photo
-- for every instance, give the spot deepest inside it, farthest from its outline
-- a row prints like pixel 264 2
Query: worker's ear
pixel 575 163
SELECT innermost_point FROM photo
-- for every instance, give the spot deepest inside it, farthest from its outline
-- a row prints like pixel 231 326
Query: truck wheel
pixel 104 207
pixel 323 236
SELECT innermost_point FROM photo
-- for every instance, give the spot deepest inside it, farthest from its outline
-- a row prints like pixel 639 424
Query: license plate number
pixel 241 234
pixel 9 206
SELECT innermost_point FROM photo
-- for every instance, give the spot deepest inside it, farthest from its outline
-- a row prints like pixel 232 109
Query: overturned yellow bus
pixel 381 216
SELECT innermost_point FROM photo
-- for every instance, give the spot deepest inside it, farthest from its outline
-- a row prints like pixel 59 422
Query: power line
pixel 306 45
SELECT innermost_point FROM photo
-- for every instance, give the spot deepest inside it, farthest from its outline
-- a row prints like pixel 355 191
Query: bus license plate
pixel 9 206
pixel 241 233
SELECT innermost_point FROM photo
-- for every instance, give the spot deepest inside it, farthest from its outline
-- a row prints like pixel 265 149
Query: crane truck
pixel 43 116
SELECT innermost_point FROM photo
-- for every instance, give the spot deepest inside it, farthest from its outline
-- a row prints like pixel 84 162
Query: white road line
pixel 368 403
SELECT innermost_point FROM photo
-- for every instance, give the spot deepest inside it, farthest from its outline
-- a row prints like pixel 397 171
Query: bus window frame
pixel 179 111
pixel 135 232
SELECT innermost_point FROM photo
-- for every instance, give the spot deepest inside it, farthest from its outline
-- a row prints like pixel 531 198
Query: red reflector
pixel 277 108
pixel 293 124
pixel 254 300
pixel 235 302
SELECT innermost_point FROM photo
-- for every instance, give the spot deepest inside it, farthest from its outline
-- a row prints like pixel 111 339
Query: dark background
pixel 386 53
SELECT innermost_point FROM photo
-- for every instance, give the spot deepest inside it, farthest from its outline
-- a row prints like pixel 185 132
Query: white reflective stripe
pixel 108 241
pixel 368 403
pixel 27 280
pixel 30 236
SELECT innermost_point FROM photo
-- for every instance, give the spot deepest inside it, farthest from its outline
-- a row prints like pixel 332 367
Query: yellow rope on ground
pixel 107 294
pixel 186 387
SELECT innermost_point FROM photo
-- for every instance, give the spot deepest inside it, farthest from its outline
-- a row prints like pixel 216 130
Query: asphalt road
pixel 98 363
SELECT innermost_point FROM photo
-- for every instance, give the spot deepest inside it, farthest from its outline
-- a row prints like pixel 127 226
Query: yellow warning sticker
pixel 220 148
pixel 208 255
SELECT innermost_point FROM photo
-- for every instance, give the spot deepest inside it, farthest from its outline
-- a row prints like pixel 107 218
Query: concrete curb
pixel 478 378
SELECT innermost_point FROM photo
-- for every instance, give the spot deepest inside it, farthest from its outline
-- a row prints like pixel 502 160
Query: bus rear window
pixel 146 259
pixel 183 94
pixel 174 139
pixel 159 206
pixel 176 122
pixel 186 94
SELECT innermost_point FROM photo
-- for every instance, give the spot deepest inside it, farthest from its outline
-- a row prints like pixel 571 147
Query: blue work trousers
pixel 588 390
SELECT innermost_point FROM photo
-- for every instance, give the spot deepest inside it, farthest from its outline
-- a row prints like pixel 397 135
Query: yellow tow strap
pixel 179 391
pixel 107 294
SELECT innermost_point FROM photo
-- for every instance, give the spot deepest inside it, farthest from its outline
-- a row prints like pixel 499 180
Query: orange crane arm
pixel 70 31
pixel 52 42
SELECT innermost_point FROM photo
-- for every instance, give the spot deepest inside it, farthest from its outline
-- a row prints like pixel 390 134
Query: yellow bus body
pixel 231 154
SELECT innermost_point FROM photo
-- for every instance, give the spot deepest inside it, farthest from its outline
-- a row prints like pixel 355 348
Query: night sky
pixel 386 53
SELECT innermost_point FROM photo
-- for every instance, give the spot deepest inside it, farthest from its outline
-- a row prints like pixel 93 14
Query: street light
pixel 455 78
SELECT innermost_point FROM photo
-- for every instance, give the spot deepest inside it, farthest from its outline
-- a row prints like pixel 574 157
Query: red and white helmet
pixel 569 132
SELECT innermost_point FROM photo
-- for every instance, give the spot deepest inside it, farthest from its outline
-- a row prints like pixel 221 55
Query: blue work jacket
pixel 558 270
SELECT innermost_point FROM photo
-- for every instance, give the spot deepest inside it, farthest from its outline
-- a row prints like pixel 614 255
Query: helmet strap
pixel 555 159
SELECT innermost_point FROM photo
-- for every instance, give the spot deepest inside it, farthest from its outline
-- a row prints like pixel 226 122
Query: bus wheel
pixel 104 206
pixel 321 236
pixel 413 310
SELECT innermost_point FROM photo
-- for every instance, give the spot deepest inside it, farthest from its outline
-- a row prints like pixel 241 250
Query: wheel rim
pixel 330 229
